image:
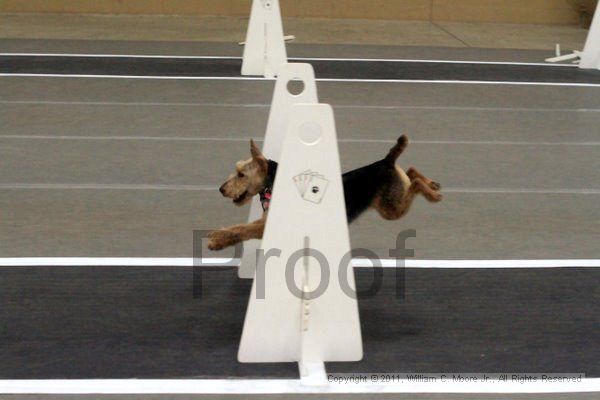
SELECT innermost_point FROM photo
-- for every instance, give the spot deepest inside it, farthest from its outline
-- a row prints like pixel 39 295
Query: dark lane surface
pixel 362 70
pixel 145 322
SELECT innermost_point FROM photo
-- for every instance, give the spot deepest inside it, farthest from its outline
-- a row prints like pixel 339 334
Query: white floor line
pixel 264 105
pixel 408 60
pixel 461 82
pixel 350 59
pixel 149 77
pixel 130 138
pixel 258 79
pixel 136 104
pixel 245 139
pixel 107 186
pixel 157 56
pixel 211 188
pixel 459 108
pixel 281 386
pixel 228 262
pixel 475 142
pixel 590 191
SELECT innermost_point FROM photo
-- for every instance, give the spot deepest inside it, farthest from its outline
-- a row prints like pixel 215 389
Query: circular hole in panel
pixel 310 133
pixel 295 86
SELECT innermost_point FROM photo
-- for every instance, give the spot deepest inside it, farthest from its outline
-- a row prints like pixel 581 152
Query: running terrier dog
pixel 382 185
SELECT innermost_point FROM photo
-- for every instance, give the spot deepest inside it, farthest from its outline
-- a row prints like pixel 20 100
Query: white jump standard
pixel 279 117
pixel 264 49
pixel 589 58
pixel 310 324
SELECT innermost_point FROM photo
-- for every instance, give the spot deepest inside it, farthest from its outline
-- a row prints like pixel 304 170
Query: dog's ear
pixel 258 156
pixel 254 150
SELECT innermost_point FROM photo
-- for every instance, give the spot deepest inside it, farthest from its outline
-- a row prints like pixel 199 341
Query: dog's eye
pixel 240 174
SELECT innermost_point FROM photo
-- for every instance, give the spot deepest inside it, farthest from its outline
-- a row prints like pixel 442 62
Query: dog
pixel 382 185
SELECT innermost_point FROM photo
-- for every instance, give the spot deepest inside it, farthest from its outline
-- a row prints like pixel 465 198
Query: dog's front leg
pixel 233 235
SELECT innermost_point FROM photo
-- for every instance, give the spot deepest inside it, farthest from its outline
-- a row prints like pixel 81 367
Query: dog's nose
pixel 222 190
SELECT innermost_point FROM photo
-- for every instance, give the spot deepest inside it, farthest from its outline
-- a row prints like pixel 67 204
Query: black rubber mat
pixel 362 70
pixel 88 322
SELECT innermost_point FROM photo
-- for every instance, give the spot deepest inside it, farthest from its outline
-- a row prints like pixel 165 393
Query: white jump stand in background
pixel 288 326
pixel 264 50
pixel 589 58
pixel 282 102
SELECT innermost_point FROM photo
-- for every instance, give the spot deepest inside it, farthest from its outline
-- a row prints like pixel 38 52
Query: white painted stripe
pixel 115 262
pixel 257 79
pixel 105 186
pixel 130 138
pixel 204 188
pixel 475 142
pixel 410 60
pixel 343 59
pixel 157 56
pixel 225 262
pixel 467 108
pixel 480 264
pixel 591 191
pixel 264 105
pixel 459 82
pixel 135 104
pixel 281 386
pixel 150 77
pixel 245 139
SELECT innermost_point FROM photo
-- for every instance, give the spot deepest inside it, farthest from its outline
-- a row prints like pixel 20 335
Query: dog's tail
pixel 397 150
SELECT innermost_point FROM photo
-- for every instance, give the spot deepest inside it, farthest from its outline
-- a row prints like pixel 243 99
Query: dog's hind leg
pixel 419 186
pixel 233 235
pixel 396 195
pixel 413 174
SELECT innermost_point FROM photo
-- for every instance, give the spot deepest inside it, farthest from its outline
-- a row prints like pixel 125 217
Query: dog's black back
pixel 362 185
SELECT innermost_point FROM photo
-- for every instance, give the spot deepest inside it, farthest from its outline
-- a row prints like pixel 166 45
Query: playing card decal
pixel 311 185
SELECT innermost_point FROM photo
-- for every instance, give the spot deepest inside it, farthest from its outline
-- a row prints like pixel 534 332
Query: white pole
pixel 590 57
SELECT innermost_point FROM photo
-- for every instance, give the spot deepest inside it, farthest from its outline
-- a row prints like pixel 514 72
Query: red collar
pixel 265 199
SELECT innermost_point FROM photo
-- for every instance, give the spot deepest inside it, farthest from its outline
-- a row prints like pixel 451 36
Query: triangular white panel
pixel 285 326
pixel 264 50
pixel 590 57
pixel 281 105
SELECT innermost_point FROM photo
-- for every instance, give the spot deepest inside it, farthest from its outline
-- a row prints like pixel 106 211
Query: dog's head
pixel 248 178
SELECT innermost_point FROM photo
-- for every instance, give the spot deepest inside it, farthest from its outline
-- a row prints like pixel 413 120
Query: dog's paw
pixel 433 197
pixel 435 186
pixel 218 240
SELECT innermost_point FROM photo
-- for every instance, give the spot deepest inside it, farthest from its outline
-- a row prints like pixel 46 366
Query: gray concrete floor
pixel 519 164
